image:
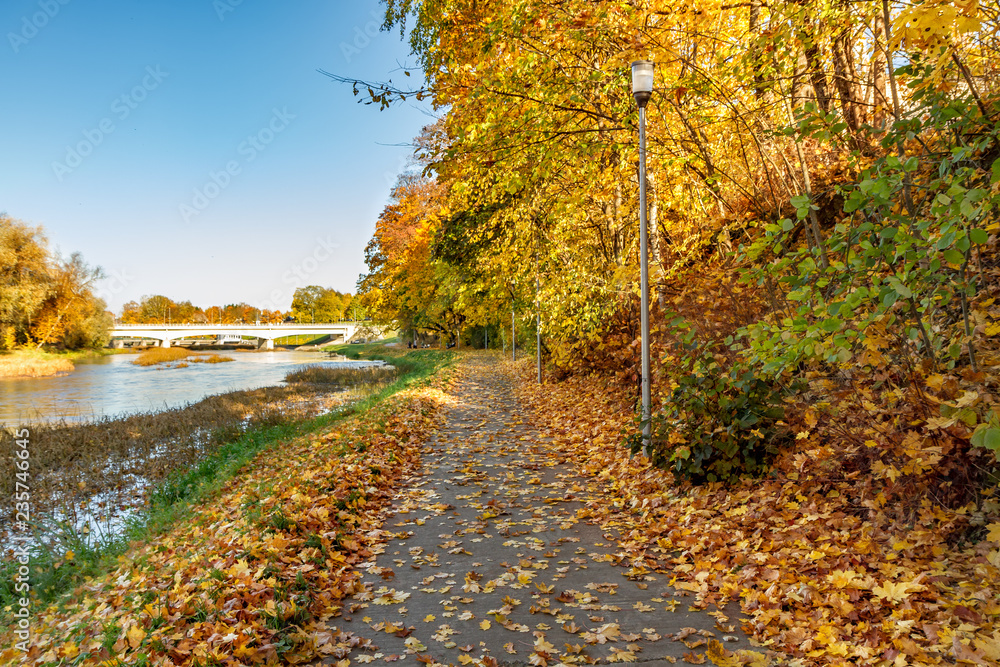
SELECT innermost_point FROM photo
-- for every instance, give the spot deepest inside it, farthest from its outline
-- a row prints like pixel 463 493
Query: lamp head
pixel 642 81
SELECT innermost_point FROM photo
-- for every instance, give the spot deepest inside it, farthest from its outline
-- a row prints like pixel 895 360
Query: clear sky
pixel 190 147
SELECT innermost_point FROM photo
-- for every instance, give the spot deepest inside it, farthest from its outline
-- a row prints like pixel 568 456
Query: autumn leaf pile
pixel 819 577
pixel 251 576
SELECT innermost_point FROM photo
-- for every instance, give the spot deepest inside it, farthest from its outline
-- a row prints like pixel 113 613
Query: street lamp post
pixel 538 330
pixel 642 90
pixel 513 334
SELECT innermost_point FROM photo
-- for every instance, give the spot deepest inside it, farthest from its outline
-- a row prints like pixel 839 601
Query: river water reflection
pixel 113 385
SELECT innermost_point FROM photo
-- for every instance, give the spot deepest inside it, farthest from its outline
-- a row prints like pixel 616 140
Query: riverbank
pixel 278 531
pixel 111 385
pixel 31 363
pixel 184 469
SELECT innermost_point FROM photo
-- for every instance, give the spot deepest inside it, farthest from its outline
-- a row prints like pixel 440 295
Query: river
pixel 113 385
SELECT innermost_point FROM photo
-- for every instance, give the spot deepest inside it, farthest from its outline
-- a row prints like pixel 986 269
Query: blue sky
pixel 191 148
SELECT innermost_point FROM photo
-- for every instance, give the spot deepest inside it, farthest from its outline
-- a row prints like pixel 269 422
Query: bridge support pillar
pixel 165 342
pixel 266 344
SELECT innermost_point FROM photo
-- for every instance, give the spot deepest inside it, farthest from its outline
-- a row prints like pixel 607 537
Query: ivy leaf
pixel 953 256
pixel 986 436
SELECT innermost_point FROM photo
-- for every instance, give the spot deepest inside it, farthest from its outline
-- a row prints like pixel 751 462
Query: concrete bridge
pixel 230 333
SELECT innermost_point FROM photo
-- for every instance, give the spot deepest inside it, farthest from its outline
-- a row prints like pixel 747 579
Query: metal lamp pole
pixel 538 329
pixel 642 90
pixel 513 333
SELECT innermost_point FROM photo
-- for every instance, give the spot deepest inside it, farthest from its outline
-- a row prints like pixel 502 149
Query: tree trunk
pixel 758 80
pixel 841 79
pixel 880 98
pixel 814 67
pixel 654 228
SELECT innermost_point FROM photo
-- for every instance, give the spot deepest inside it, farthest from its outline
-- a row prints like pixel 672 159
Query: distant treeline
pixel 309 304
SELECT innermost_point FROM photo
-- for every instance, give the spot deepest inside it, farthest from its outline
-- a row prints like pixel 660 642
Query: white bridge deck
pixel 264 333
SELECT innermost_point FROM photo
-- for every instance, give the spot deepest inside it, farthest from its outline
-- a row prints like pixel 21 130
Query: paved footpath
pixel 487 563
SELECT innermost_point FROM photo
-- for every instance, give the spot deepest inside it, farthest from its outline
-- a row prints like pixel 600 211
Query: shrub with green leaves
pixel 902 258
pixel 720 423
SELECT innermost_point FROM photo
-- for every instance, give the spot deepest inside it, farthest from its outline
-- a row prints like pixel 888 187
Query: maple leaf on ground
pixel 897 592
pixel 964 653
pixel 621 655
pixel 135 636
pixel 390 596
pixel 542 645
pixel 246 652
pixel 842 578
pixel 608 632
pixel 414 645
pixel 721 656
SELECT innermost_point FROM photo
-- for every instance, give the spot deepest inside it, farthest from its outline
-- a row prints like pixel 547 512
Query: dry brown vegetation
pixel 342 375
pixel 211 359
pixel 161 355
pixel 19 364
pixel 121 457
pixel 164 355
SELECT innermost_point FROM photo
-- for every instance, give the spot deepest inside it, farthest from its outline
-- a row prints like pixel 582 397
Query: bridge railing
pixel 235 326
